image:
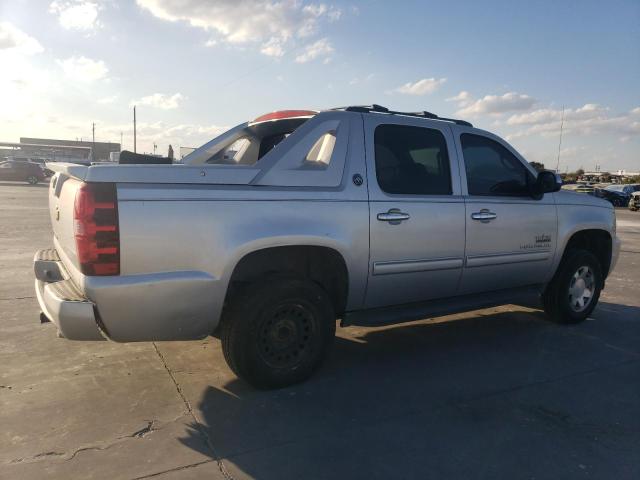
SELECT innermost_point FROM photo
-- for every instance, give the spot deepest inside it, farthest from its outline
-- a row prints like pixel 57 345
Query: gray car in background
pixel 21 171
pixel 270 232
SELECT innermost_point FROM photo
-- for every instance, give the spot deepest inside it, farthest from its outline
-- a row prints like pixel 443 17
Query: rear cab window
pixel 411 160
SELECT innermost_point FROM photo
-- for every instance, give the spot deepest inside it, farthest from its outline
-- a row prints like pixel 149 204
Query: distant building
pixel 70 150
pixel 626 173
pixel 599 176
pixel 52 150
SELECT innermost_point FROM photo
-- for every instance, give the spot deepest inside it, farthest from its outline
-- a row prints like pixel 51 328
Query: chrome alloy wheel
pixel 581 289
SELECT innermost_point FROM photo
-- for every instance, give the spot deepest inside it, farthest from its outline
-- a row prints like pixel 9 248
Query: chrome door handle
pixel 484 215
pixel 394 216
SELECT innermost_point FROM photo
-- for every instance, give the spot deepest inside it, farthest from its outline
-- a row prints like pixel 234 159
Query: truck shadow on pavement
pixel 496 394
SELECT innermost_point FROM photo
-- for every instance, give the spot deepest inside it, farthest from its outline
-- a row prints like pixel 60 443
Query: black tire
pixel 561 303
pixel 276 332
pixel 32 180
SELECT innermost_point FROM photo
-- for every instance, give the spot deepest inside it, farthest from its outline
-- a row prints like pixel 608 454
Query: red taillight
pixel 285 114
pixel 95 223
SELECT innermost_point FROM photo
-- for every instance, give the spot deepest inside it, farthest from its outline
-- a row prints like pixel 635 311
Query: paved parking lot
pixel 497 393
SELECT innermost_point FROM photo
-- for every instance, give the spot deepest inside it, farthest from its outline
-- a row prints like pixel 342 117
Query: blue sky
pixel 195 67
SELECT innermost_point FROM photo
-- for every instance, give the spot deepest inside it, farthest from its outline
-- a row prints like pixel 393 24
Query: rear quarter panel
pixel 179 245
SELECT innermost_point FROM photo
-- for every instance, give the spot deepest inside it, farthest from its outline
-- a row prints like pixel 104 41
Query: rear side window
pixel 412 160
pixel 492 169
pixel 320 153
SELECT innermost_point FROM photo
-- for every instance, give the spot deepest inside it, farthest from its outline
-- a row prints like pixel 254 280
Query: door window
pixel 492 169
pixel 412 160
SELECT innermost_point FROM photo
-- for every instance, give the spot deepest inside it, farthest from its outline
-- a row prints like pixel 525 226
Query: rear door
pixel 416 210
pixel 510 237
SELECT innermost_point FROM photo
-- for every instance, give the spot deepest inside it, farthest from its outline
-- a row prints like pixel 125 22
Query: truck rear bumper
pixel 61 301
pixel 183 305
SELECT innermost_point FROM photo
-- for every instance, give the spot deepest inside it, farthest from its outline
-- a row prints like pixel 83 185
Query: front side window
pixel 412 160
pixel 492 169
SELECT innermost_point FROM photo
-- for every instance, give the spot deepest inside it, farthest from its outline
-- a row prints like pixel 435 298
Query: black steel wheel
pixel 286 335
pixel 276 332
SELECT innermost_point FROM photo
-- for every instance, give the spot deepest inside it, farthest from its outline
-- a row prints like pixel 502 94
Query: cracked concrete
pixel 498 393
pixel 141 433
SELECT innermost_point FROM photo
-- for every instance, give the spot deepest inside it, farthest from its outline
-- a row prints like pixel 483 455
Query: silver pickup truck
pixel 267 234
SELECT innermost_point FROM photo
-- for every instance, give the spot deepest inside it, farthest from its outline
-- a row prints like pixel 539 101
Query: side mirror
pixel 546 182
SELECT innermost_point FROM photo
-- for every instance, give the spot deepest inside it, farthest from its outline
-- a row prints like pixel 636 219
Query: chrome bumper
pixel 61 301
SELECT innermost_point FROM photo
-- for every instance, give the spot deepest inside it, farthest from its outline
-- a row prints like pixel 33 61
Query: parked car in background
pixel 634 201
pixel 618 195
pixel 40 161
pixel 21 171
pixel 584 188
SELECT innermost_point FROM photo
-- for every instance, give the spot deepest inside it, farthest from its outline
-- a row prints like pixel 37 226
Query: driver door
pixel 510 237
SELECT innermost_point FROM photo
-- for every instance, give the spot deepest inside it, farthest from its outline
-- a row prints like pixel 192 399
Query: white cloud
pixel 590 119
pixel 161 101
pixel 462 99
pixel 494 104
pixel 421 87
pixel 543 116
pixel 270 24
pixel 83 69
pixel 321 48
pixel 107 100
pixel 14 40
pixel 163 134
pixel 76 14
pixel 273 48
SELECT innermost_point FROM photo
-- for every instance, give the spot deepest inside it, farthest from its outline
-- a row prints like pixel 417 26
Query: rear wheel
pixel 575 289
pixel 32 179
pixel 276 332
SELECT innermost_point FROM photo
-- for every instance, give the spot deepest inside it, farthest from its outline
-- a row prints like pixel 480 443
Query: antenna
pixel 560 142
pixel 134 129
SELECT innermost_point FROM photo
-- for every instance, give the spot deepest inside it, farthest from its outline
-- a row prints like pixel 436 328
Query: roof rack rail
pixel 381 109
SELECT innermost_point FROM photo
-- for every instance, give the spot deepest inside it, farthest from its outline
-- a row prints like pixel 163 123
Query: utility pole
pixel 120 141
pixel 93 142
pixel 134 129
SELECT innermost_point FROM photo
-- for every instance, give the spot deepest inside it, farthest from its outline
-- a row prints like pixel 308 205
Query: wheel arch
pixel 324 265
pixel 595 240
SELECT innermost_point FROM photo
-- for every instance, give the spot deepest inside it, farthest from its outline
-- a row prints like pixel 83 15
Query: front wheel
pixel 276 332
pixel 32 180
pixel 575 289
